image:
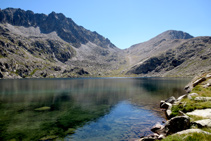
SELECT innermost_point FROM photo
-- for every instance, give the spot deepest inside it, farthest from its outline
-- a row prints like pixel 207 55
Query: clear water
pixel 96 109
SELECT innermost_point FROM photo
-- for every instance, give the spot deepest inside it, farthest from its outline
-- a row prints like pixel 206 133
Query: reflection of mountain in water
pixel 73 102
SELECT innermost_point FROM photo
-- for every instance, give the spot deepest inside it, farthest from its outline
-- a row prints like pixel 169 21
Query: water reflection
pixel 119 108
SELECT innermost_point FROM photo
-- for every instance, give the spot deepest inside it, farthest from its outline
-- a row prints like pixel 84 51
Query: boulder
pixel 188 131
pixel 198 81
pixel 202 99
pixel 208 75
pixel 171 99
pixel 161 103
pixel 205 113
pixel 168 113
pixel 166 105
pixel 158 128
pixel 1 75
pixel 181 97
pixel 151 137
pixel 190 96
pixel 207 85
pixel 188 88
pixel 177 124
pixel 203 123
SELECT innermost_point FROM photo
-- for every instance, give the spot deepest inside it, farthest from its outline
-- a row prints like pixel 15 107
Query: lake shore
pixel 189 116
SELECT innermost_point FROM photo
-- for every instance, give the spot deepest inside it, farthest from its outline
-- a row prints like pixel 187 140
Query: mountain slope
pixel 160 43
pixel 188 59
pixel 38 45
pixel 65 28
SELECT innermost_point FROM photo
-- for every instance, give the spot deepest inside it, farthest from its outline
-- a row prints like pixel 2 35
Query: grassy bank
pixel 190 104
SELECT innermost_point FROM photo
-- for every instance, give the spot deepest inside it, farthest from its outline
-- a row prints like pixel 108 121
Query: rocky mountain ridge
pixel 38 45
pixel 65 28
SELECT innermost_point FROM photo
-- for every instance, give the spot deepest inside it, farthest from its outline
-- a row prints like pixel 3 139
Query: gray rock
pixel 176 124
pixel 168 113
pixel 1 75
pixel 202 99
pixel 208 75
pixel 161 103
pixel 158 128
pixel 181 97
pixel 192 131
pixel 198 81
pixel 205 113
pixel 166 105
pixel 203 123
pixel 207 85
pixel 160 137
pixel 191 95
pixel 151 137
pixel 171 99
pixel 188 88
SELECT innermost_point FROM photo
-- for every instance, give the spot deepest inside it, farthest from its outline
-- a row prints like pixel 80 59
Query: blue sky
pixel 127 22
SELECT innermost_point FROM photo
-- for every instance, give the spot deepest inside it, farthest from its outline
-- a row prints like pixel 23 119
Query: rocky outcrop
pixel 205 113
pixel 65 27
pixel 203 123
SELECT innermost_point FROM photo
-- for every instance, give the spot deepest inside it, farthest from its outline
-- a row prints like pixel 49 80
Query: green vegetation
pixel 188 137
pixel 187 105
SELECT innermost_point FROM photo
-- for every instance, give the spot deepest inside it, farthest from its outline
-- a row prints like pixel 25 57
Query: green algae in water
pixel 42 108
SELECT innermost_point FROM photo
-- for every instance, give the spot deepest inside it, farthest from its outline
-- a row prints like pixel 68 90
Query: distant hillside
pixel 162 42
pixel 189 58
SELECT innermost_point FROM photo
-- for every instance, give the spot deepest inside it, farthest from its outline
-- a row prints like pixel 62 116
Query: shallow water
pixel 94 108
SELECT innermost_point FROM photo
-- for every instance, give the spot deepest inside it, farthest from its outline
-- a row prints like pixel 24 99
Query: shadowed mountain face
pixel 38 45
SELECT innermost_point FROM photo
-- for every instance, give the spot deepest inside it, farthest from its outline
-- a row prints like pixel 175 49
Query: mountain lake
pixel 83 108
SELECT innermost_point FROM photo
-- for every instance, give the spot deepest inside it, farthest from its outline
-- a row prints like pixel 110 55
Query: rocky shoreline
pixel 182 122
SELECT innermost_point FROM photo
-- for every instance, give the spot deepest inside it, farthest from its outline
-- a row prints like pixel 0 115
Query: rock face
pixel 37 45
pixel 64 27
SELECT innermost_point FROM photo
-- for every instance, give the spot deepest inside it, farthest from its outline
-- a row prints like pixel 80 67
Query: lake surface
pixel 83 109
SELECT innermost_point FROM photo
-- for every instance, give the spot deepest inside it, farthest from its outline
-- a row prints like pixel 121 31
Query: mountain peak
pixel 174 34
